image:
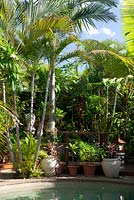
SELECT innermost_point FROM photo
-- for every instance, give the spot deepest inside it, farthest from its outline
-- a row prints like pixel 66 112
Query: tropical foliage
pixel 127 12
pixel 44 89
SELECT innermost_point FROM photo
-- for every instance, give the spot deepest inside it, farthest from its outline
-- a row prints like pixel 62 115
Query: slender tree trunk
pixel 107 105
pixel 51 127
pixel 114 108
pixel 40 133
pixel 32 101
pixel 7 129
pixel 17 129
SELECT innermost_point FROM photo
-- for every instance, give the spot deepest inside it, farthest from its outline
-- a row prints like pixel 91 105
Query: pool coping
pixel 102 179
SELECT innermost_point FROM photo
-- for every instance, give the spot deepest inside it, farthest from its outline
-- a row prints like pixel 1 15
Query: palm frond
pixel 47 26
pixel 73 3
pixel 89 14
pixel 9 112
pixel 75 54
pixel 127 12
pixel 129 63
pixel 64 43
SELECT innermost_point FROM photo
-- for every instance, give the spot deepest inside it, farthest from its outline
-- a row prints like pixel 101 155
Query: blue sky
pixel 110 30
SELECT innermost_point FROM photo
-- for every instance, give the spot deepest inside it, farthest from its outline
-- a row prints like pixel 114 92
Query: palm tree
pixel 82 14
pixel 41 18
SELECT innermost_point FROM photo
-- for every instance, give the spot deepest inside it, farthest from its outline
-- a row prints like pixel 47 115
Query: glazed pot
pixel 49 165
pixel 111 167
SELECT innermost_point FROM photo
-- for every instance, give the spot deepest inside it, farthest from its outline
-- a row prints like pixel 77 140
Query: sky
pixel 110 30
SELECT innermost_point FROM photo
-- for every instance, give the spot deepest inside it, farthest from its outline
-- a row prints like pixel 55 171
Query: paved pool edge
pixel 120 180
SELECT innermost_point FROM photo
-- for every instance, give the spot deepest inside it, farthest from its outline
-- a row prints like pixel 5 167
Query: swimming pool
pixel 74 190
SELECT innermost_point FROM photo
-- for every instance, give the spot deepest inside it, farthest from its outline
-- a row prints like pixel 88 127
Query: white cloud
pixel 93 31
pixel 121 1
pixel 105 31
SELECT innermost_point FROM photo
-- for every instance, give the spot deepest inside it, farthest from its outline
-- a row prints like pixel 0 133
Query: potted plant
pixel 50 162
pixel 73 165
pixel 111 164
pixel 88 155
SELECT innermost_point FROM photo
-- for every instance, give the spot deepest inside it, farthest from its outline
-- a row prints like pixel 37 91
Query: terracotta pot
pixel 6 166
pixel 89 169
pixel 72 169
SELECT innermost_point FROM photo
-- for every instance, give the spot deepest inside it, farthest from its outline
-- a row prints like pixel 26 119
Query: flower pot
pixel 5 166
pixel 49 165
pixel 89 169
pixel 72 169
pixel 111 167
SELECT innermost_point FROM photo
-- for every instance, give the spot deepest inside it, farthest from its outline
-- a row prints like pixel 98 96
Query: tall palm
pixel 82 14
pixel 127 13
pixel 33 19
pixel 41 18
pixel 53 48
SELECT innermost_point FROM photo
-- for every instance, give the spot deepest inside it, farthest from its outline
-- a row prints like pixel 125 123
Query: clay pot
pixel 4 166
pixel 72 169
pixel 89 169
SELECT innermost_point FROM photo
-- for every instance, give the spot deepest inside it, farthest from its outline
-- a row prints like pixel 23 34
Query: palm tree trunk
pixel 7 129
pixel 51 127
pixel 17 129
pixel 32 102
pixel 40 133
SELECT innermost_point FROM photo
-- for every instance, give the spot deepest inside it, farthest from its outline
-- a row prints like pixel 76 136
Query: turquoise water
pixel 68 191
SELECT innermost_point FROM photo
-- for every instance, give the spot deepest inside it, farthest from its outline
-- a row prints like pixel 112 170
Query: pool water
pixel 68 191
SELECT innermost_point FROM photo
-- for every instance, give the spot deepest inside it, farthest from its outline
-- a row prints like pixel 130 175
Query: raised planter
pixel 111 167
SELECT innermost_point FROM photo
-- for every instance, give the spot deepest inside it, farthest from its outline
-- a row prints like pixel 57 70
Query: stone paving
pixel 8 177
pixel 121 180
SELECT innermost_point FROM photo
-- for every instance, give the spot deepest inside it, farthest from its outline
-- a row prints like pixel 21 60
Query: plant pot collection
pixel 109 168
pixel 86 168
